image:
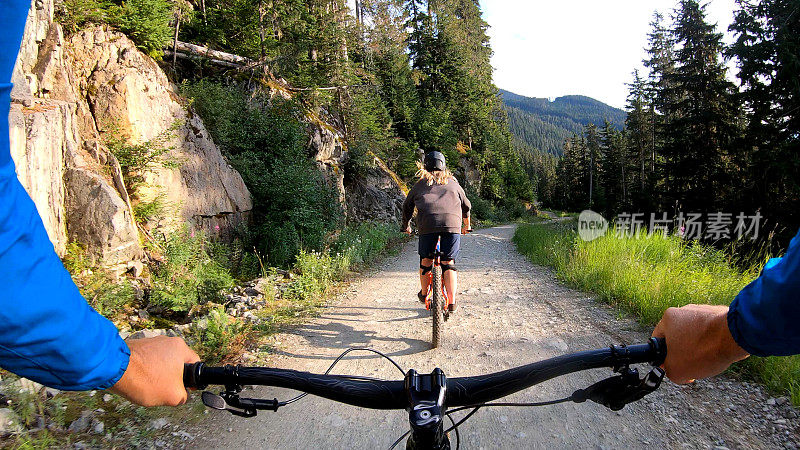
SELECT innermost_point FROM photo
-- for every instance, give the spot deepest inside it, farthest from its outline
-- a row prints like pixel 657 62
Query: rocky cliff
pixel 72 94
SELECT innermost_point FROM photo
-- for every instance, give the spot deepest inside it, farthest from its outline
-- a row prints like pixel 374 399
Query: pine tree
pixel 593 154
pixel 615 172
pixel 639 126
pixel 661 66
pixel 700 115
pixel 767 47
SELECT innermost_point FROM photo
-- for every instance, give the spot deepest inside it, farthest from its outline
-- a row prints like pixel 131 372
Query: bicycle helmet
pixel 434 161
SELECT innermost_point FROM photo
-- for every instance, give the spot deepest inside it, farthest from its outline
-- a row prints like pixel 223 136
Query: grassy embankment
pixel 648 274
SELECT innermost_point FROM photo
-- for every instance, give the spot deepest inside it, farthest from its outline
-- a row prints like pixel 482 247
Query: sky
pixel 550 48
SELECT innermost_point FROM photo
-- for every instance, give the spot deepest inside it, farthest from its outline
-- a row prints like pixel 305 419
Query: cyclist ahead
pixel 442 213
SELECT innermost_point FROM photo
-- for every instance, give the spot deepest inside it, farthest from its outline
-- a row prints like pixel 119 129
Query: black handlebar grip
pixel 659 346
pixel 191 374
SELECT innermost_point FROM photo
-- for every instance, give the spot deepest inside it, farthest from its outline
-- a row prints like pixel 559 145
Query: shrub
pixel 316 272
pixel 188 275
pixel 363 243
pixel 219 338
pixel 136 160
pixel 74 14
pixel 145 211
pixel 104 292
pixel 483 209
pixel 294 206
pixel 146 22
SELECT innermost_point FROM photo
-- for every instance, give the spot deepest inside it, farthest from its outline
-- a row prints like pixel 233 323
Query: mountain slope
pixel 543 124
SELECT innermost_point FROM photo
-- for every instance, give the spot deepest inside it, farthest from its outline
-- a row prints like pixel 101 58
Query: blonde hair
pixel 437 176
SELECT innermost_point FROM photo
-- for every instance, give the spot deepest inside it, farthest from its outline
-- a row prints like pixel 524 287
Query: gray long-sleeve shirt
pixel 440 207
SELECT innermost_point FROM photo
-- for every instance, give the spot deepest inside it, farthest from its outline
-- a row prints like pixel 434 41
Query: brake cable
pixel 613 392
pixel 355 377
pixel 247 407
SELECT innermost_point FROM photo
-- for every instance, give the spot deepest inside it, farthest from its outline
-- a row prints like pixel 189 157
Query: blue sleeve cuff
pixel 763 317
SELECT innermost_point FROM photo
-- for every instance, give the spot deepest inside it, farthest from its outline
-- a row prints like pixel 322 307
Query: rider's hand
pixel 407 231
pixel 155 372
pixel 699 343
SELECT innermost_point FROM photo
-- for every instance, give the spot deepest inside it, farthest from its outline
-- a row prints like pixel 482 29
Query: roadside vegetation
pixel 189 294
pixel 647 274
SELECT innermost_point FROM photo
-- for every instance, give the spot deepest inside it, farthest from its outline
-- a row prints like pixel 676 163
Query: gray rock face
pixel 9 421
pixel 40 136
pixel 128 94
pixel 68 93
pixel 99 218
pixel 377 197
pixel 326 144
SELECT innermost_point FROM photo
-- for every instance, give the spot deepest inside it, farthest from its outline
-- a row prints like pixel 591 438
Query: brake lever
pixel 242 407
pixel 617 391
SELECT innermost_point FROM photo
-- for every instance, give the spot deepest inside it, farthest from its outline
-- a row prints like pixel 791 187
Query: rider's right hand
pixel 699 343
pixel 407 231
pixel 154 376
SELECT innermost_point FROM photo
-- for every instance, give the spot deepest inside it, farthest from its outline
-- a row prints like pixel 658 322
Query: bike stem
pixel 426 410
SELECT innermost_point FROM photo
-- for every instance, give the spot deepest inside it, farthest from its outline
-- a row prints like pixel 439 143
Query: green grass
pixel 649 274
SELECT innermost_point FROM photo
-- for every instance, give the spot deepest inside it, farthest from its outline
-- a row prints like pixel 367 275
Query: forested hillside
pixel 544 125
pixel 695 142
pixel 540 128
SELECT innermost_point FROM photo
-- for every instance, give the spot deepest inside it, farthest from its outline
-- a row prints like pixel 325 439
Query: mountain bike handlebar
pixel 384 394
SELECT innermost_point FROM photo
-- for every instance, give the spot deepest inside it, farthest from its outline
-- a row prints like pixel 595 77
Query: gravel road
pixel 511 313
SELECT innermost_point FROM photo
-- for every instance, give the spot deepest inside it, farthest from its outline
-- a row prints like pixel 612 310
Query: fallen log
pixel 194 57
pixel 199 50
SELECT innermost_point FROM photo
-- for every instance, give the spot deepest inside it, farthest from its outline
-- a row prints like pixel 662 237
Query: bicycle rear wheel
pixel 437 307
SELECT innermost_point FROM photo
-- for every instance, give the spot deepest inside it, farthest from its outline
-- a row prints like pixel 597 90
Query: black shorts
pixel 450 246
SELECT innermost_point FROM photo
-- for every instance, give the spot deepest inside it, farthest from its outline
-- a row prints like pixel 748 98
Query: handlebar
pixel 463 391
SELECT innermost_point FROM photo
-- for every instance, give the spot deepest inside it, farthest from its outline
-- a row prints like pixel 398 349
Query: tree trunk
pixel 200 51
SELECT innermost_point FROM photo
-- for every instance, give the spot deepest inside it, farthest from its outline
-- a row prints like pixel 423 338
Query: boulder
pixel 128 94
pixel 9 422
pixel 376 197
pixel 98 217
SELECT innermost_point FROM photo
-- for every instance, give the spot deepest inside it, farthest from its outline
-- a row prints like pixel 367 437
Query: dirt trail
pixel 511 313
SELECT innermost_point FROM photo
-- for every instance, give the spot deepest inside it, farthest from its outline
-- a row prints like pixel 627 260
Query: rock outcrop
pixel 377 196
pixel 128 94
pixel 41 135
pixel 70 95
pixel 73 93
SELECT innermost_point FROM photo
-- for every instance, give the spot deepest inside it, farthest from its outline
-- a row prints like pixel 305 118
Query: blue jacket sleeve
pixel 764 318
pixel 48 333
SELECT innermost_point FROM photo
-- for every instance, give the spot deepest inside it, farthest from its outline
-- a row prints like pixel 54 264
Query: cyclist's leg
pixel 426 265
pixel 451 246
pixel 450 279
pixel 427 245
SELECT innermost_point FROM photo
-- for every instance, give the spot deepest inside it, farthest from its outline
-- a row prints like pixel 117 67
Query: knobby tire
pixel 437 307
